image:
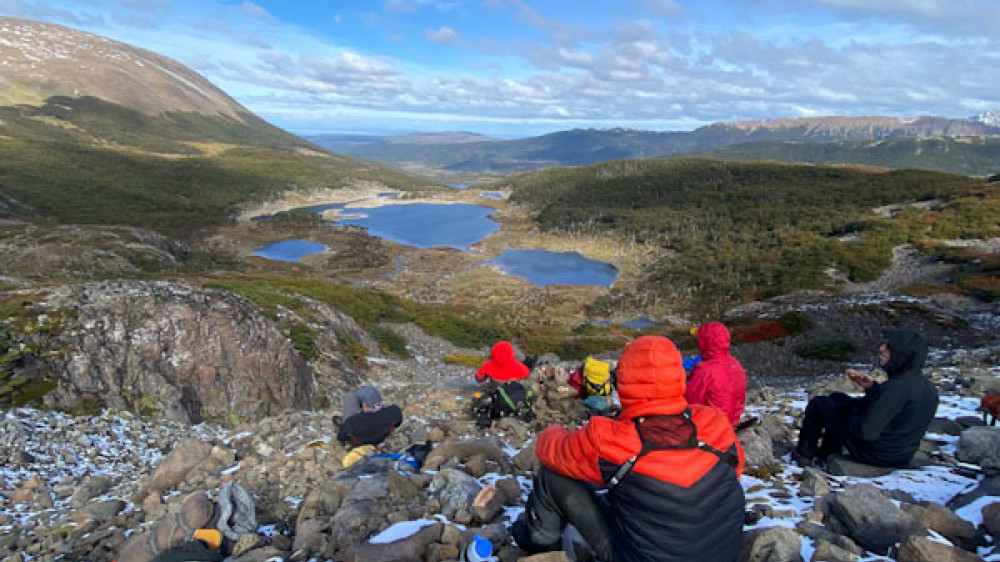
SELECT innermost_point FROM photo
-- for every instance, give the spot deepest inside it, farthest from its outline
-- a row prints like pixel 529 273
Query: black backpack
pixel 512 399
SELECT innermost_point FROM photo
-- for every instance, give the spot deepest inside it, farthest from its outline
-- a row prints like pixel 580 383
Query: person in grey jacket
pixel 884 427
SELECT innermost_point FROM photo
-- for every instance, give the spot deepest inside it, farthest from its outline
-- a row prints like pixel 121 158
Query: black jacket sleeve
pixel 881 404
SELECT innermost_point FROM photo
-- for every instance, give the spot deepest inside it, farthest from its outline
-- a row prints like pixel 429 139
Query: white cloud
pixel 253 10
pixel 443 34
pixel 667 8
pixel 947 17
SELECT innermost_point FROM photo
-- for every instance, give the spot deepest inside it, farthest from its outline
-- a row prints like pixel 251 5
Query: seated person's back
pixel 367 421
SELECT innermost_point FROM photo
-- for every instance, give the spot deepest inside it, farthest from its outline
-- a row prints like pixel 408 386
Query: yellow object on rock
pixel 356 454
pixel 596 377
pixel 211 537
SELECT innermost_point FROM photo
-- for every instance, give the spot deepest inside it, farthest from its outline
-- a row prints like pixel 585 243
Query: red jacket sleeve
pixel 571 453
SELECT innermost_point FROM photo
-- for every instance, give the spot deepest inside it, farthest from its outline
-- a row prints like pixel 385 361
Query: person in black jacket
pixel 366 420
pixel 885 426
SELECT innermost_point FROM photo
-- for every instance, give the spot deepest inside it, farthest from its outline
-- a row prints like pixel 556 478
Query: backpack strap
pixel 626 467
pixel 506 398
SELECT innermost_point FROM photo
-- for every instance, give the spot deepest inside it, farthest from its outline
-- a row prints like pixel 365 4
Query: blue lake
pixel 491 194
pixel 426 225
pixel 543 268
pixel 290 250
pixel 458 185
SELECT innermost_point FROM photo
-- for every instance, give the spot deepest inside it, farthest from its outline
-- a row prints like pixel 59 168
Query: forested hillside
pixel 88 161
pixel 738 231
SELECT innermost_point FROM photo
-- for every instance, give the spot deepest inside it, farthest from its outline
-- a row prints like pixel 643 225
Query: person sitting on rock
pixel 502 366
pixel 671 470
pixel 885 426
pixel 365 420
pixel 718 379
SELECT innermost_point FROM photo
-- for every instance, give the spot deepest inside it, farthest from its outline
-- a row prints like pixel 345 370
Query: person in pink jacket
pixel 718 380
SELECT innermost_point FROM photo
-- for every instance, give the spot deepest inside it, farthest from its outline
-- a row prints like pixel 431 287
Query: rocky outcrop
pixel 169 348
pixel 87 252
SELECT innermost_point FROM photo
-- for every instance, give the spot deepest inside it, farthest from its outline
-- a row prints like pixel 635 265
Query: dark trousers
pixel 557 501
pixel 824 426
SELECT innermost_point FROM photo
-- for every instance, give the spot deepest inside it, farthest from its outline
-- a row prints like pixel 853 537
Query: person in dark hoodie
pixel 366 420
pixel 884 427
pixel 671 470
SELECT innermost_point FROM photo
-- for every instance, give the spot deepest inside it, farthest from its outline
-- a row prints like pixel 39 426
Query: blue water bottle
pixel 479 550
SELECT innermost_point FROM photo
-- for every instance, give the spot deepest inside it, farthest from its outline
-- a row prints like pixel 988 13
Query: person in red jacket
pixel 718 380
pixel 671 470
pixel 502 366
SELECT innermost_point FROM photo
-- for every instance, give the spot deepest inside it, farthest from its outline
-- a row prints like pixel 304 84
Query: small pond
pixel 426 225
pixel 543 268
pixel 491 194
pixel 290 250
pixel 458 185
pixel 639 323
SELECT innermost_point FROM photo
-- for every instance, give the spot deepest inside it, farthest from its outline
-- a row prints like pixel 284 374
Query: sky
pixel 512 68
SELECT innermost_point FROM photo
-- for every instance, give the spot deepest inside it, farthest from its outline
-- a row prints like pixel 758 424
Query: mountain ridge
pixel 42 60
pixel 581 147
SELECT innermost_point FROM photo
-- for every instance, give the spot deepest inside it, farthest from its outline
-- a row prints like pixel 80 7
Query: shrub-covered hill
pixel 737 231
pixel 83 160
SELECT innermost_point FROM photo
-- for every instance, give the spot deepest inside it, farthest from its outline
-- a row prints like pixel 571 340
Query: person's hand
pixel 864 380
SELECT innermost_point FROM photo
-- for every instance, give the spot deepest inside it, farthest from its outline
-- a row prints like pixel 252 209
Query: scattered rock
pixel 772 544
pixel 922 549
pixel 841 465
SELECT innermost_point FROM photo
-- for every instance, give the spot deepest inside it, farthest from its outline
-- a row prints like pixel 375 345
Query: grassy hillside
pixel 86 161
pixel 740 231
pixel 974 156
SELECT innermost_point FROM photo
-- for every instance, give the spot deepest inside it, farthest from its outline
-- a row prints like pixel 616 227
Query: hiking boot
pixel 521 533
pixel 802 460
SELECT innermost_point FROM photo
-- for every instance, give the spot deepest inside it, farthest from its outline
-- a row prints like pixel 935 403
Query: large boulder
pixel 171 348
pixel 871 519
pixel 980 445
pixel 757 448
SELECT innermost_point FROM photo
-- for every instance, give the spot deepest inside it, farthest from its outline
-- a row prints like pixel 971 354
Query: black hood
pixel 907 351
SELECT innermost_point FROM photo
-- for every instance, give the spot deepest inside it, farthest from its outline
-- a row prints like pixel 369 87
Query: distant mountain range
pixel 865 139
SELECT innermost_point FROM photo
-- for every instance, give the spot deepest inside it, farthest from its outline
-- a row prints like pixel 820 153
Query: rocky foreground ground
pixel 91 488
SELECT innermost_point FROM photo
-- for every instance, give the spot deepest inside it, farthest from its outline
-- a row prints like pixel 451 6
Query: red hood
pixel 651 378
pixel 713 340
pixel 502 365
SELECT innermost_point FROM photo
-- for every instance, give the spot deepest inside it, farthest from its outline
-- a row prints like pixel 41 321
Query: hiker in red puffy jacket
pixel 671 470
pixel 502 366
pixel 718 380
